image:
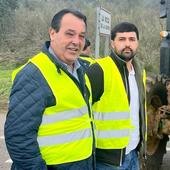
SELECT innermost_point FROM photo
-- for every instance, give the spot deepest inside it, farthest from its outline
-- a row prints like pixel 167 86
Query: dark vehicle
pixel 158 100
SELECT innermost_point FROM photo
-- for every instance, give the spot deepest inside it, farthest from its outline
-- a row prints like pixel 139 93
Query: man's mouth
pixel 73 49
pixel 127 50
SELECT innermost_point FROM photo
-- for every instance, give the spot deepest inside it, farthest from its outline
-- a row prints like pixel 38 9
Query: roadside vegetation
pixel 5 85
pixel 24 28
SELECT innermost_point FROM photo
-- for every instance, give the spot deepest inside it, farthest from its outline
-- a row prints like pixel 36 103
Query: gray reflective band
pixel 64 138
pixel 65 115
pixel 112 133
pixel 111 115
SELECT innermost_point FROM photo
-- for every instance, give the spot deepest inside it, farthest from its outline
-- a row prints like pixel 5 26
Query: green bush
pixel 5 85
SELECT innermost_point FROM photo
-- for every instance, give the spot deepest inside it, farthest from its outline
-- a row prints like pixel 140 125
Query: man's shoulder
pixel 28 69
pixel 139 63
pixel 95 69
pixel 96 77
pixel 27 73
pixel 87 60
pixel 30 80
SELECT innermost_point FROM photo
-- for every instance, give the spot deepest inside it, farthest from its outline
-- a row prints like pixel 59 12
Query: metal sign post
pixel 97 43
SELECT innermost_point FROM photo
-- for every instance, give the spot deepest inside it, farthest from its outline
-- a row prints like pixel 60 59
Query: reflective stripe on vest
pixel 64 138
pixel 112 133
pixel 65 127
pixel 65 115
pixel 112 112
pixel 111 115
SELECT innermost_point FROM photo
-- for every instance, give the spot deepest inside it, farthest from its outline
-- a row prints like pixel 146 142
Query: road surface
pixel 5 162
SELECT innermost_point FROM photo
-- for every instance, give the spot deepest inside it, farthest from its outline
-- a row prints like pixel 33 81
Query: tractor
pixel 158 100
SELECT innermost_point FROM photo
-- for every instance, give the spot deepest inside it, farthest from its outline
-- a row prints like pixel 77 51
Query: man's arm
pixel 30 95
pixel 95 74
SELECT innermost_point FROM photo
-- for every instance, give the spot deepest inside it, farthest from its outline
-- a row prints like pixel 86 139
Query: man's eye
pixel 121 39
pixel 82 36
pixel 132 39
pixel 69 34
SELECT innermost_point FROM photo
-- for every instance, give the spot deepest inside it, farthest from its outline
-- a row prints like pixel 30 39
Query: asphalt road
pixel 166 160
pixel 5 161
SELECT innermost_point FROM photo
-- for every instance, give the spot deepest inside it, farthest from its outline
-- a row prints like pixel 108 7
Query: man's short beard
pixel 126 59
pixel 123 57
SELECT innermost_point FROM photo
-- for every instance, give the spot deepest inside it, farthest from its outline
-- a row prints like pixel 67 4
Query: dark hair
pixel 87 44
pixel 56 21
pixel 124 27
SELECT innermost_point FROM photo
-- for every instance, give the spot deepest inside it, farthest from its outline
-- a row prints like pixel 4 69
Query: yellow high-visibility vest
pixel 144 82
pixel 112 111
pixel 89 59
pixel 65 133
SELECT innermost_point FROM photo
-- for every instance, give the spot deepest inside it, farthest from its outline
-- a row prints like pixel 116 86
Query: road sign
pixel 104 21
pixel 103 26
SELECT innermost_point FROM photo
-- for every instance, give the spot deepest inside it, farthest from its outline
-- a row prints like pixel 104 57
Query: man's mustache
pixel 127 48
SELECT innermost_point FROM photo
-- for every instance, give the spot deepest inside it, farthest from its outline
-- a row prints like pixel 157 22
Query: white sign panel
pixel 104 22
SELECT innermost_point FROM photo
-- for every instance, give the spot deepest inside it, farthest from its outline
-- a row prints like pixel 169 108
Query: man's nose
pixel 76 40
pixel 127 43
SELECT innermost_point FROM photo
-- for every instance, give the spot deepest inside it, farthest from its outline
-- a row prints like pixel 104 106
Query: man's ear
pixel 52 32
pixel 155 101
pixel 112 43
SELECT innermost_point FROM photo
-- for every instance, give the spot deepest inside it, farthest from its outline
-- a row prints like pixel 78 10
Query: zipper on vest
pixel 126 81
pixel 93 135
pixel 89 113
pixel 77 82
pixel 121 157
